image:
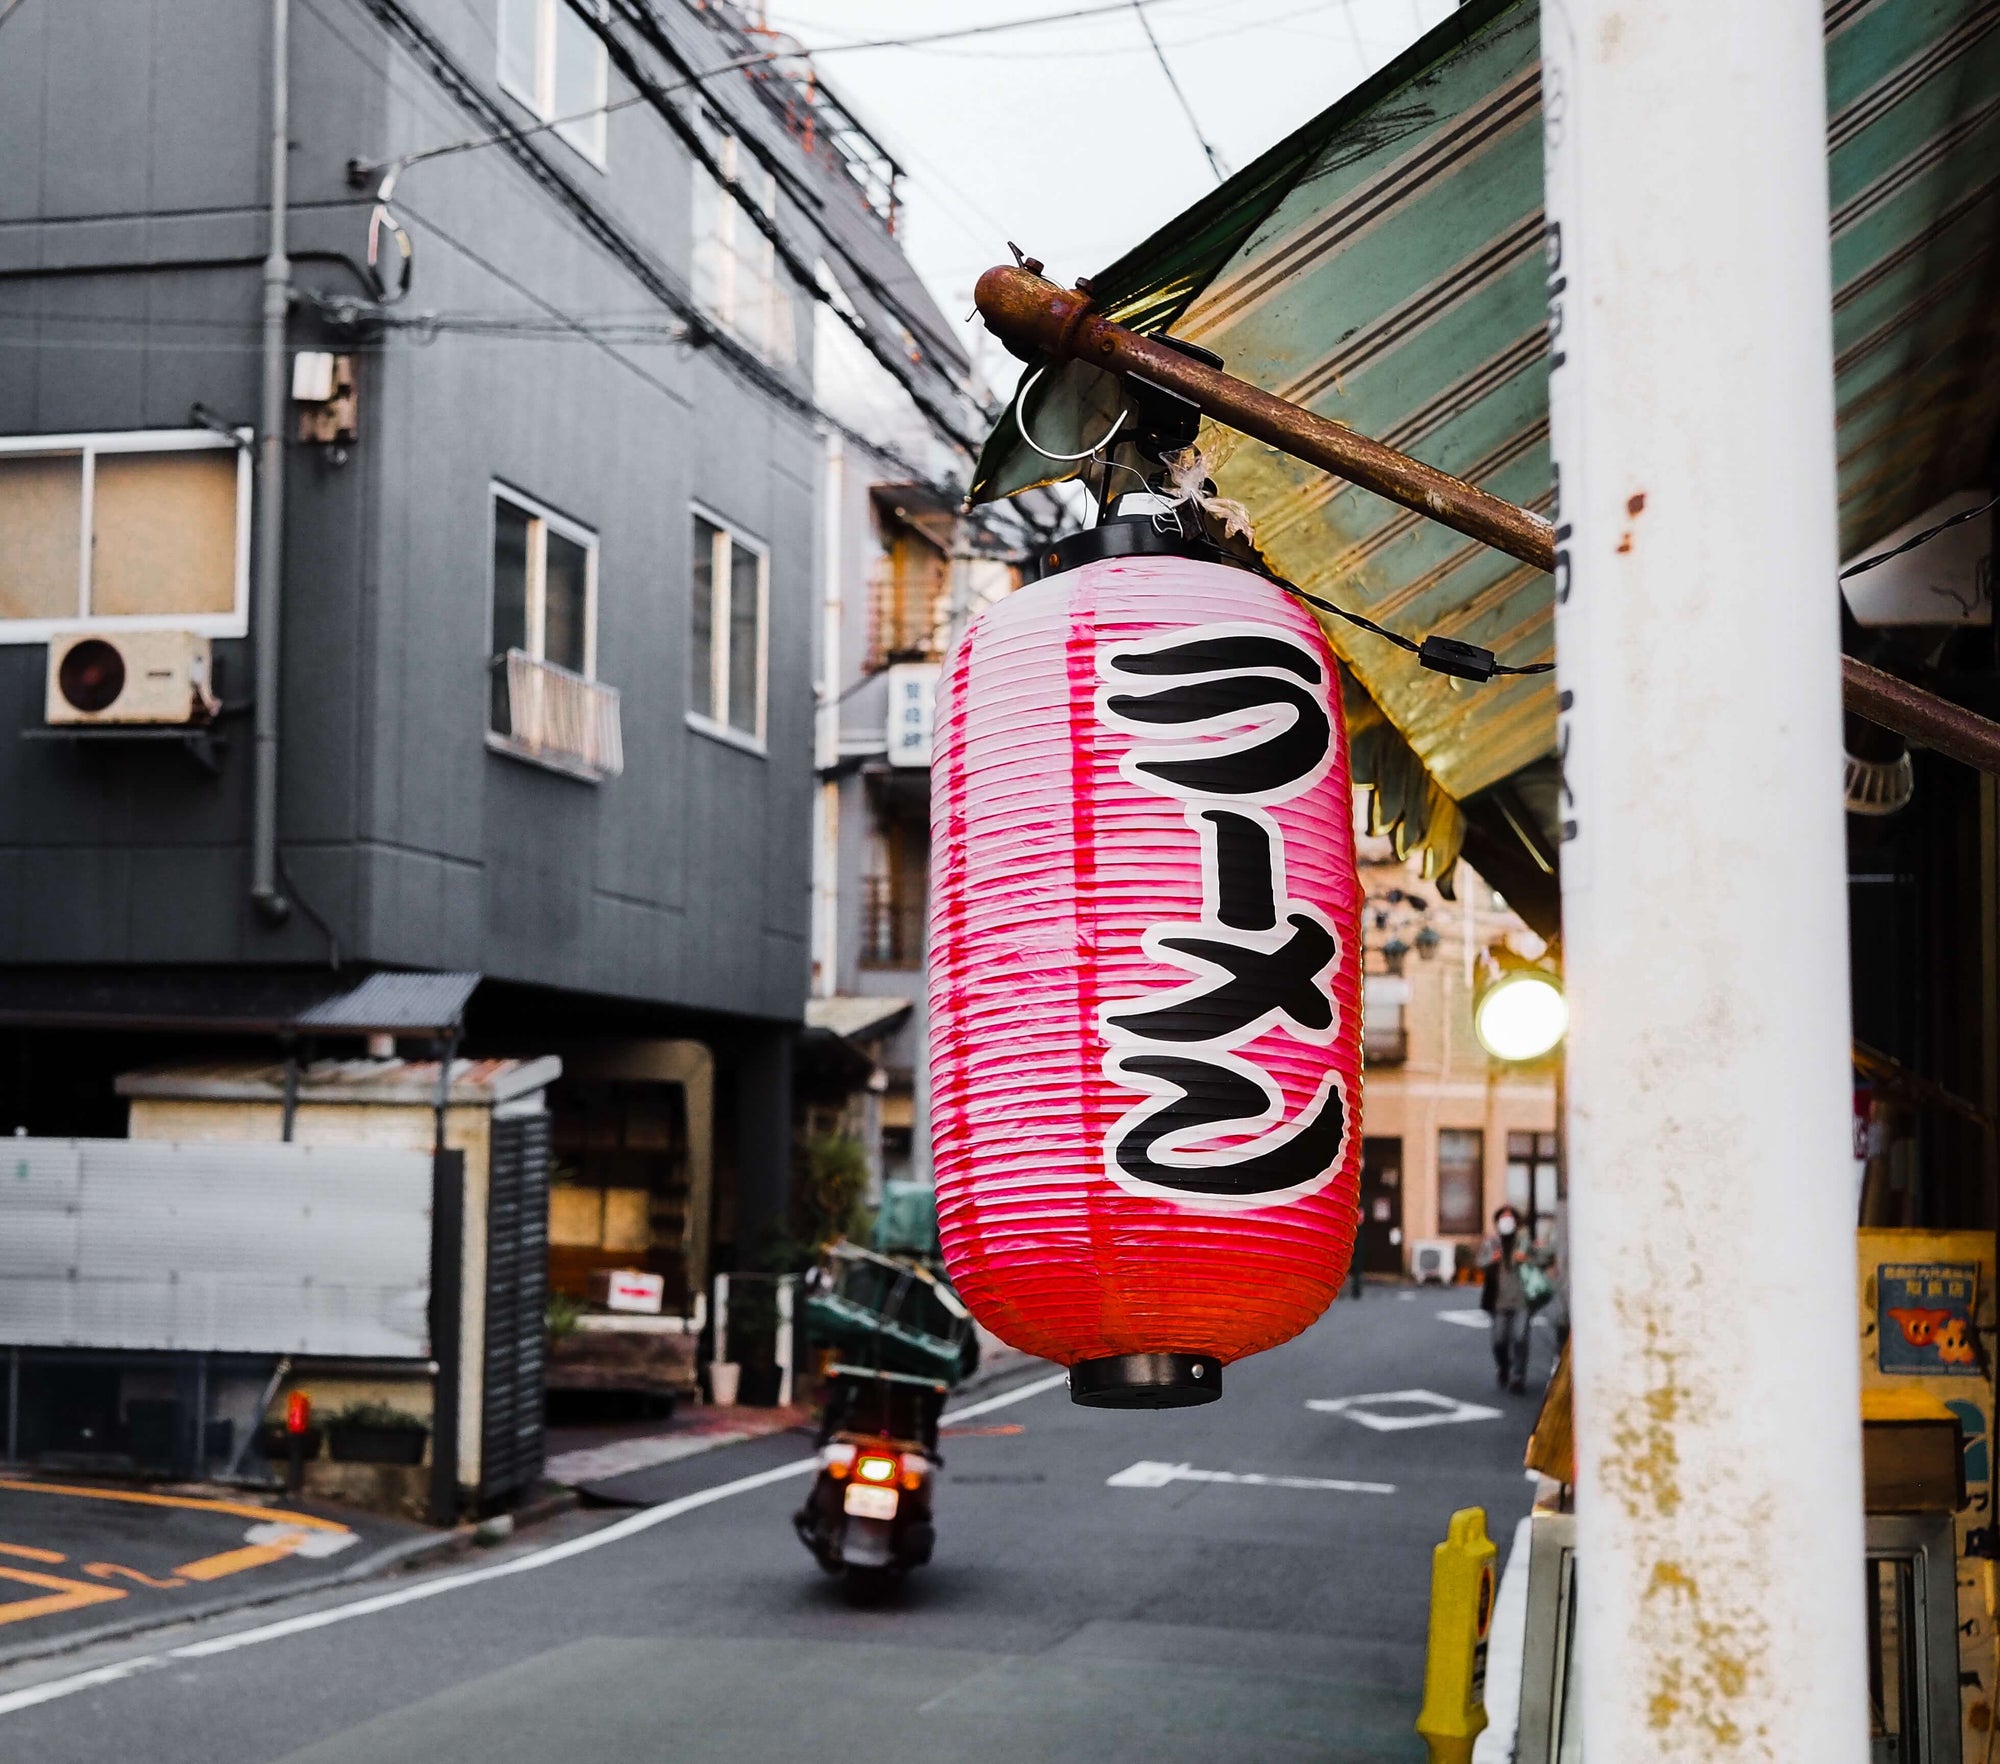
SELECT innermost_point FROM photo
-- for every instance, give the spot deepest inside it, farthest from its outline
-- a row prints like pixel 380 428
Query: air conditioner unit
pixel 129 677
pixel 1432 1259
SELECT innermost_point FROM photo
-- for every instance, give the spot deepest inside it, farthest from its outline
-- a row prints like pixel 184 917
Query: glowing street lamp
pixel 1521 1016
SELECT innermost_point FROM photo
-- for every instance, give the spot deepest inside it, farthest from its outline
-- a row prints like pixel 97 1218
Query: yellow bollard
pixel 1462 1587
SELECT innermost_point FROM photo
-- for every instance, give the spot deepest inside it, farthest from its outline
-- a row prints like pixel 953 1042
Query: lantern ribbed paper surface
pixel 1145 966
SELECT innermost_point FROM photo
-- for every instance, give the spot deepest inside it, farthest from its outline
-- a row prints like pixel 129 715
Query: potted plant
pixel 376 1433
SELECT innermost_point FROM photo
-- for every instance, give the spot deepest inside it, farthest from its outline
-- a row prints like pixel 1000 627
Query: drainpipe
pixel 826 728
pixel 267 586
pixel 1716 1348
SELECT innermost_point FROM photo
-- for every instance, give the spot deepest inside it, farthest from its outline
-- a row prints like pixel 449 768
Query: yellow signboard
pixel 1462 1593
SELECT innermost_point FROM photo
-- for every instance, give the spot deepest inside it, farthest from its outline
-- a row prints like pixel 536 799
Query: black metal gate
pixel 517 1278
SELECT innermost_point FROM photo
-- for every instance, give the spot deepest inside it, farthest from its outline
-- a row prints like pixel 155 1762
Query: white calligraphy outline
pixel 1239 730
pixel 1218 737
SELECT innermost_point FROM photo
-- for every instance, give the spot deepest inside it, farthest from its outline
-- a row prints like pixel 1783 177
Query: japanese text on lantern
pixel 1229 720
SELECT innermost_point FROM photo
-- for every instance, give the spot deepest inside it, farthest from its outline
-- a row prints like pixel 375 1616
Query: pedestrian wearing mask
pixel 1505 1300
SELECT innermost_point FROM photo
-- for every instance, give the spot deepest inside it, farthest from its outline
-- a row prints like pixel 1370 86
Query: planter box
pixel 377 1445
pixel 277 1444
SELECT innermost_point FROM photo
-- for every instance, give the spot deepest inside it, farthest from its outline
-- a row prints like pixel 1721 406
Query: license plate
pixel 870 1503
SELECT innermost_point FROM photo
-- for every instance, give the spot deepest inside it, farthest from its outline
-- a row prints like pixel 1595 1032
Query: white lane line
pixel 1466 1319
pixel 1442 1411
pixel 1147 1474
pixel 1006 1399
pixel 631 1526
pixel 1504 1648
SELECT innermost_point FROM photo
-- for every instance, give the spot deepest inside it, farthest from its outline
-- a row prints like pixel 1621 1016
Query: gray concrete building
pixel 541 607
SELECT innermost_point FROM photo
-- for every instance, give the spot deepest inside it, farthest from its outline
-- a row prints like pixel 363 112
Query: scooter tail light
pixel 915 1468
pixel 838 1460
pixel 872 1468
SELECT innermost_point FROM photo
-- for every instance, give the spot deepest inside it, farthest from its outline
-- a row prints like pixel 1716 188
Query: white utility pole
pixel 1719 1519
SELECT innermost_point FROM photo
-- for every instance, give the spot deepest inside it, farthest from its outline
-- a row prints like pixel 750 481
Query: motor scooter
pixel 869 1513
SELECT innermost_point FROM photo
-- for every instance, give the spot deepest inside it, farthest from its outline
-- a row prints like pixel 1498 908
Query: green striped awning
pixel 1383 267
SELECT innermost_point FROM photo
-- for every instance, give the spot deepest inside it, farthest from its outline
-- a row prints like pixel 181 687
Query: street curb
pixel 410 1552
pixel 415 1552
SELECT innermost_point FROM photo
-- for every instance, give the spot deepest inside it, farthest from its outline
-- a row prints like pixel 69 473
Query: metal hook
pixel 1021 423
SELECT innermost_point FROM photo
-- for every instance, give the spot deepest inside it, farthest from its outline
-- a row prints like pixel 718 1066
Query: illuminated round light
pixel 1522 1017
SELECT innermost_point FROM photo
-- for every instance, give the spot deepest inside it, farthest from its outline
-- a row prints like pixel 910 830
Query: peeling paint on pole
pixel 1719 1526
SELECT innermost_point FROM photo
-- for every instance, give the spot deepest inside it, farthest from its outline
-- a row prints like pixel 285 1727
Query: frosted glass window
pixel 41 535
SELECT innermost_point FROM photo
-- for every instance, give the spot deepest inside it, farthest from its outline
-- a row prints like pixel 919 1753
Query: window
pixel 731 595
pixel 1461 1181
pixel 1385 1037
pixel 1531 1178
pixel 546 703
pixel 909 598
pixel 736 273
pixel 895 895
pixel 124 530
pixel 555 64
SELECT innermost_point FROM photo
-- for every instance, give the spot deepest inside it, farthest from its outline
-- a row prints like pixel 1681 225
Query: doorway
pixel 1381 1242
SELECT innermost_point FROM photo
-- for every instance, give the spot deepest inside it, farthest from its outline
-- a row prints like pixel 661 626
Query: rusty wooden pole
pixel 1920 717
pixel 1025 311
pixel 1029 313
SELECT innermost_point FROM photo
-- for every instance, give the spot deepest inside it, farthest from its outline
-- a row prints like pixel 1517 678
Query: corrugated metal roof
pixel 235 1000
pixel 851 1017
pixel 1384 267
pixel 395 1001
pixel 413 1082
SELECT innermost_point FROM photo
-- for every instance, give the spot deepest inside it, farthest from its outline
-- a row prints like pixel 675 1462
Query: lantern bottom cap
pixel 1146 1381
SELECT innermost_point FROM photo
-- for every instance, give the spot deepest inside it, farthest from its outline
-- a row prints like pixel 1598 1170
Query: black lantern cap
pixel 1146 1381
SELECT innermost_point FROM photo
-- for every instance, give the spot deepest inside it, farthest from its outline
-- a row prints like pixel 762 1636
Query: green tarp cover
pixel 1384 267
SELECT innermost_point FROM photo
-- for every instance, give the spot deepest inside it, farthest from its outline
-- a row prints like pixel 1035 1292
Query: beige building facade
pixel 1449 1133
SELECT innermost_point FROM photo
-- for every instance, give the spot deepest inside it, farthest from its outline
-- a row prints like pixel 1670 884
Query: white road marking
pixel 643 1520
pixel 1147 1474
pixel 1465 1319
pixel 1444 1411
pixel 301 1542
pixel 1504 1648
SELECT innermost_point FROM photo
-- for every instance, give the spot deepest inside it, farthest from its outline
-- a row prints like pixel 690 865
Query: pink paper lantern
pixel 1145 974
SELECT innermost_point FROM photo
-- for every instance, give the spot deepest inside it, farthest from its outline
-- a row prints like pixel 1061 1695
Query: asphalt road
pixel 1100 1591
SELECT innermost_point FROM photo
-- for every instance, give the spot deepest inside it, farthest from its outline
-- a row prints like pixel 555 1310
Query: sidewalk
pixel 584 1457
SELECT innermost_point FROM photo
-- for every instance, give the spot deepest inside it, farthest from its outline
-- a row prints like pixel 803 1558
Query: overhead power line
pixel 655 277
pixel 1166 67
pixel 402 162
pixel 640 13
pixel 984 30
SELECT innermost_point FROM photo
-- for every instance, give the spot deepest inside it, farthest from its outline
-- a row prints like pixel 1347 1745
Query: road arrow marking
pixel 1147 1474
pixel 1444 1411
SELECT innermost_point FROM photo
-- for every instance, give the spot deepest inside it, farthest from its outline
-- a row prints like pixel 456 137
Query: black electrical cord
pixel 1442 655
pixel 1928 534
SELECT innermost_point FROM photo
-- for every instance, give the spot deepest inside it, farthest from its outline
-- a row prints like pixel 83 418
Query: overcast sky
pixel 1067 137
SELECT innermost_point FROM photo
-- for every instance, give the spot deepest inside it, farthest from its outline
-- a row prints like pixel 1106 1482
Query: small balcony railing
pixel 892 930
pixel 559 717
pixel 1384 1044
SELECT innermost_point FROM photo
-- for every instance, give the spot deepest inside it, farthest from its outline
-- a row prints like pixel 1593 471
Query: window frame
pixel 732 304
pixel 536 603
pixel 1477 1168
pixel 722 587
pixel 541 103
pixel 87 445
